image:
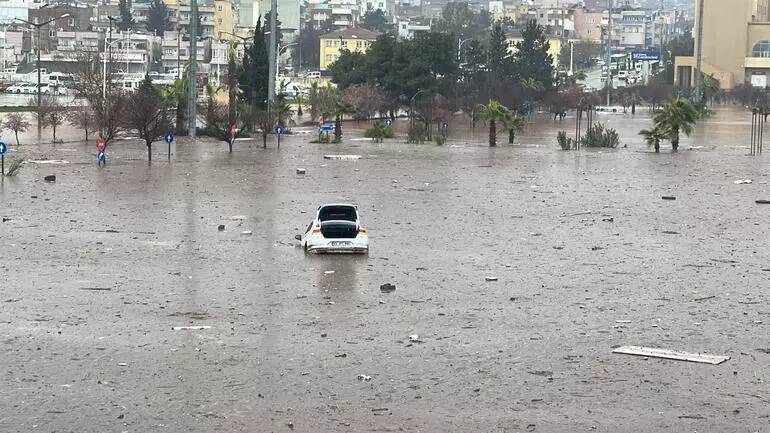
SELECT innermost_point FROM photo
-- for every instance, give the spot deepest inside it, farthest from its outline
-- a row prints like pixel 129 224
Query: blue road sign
pixel 279 130
pixel 169 138
pixel 445 125
pixel 3 148
pixel 327 127
pixel 389 122
pixel 645 56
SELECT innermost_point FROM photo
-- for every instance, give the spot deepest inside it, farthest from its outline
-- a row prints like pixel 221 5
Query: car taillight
pixel 317 231
pixel 362 232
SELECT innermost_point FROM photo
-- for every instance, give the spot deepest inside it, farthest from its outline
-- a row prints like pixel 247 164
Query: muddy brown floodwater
pixel 100 266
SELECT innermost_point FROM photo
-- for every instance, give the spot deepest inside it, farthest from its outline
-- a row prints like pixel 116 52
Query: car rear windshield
pixel 338 213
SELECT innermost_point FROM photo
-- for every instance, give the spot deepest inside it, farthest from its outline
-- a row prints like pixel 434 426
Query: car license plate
pixel 340 244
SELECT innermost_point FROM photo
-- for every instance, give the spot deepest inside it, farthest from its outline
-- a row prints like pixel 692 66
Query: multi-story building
pixel 80 42
pixel 343 13
pixel 78 19
pixel 735 56
pixel 588 25
pixel 408 27
pixel 353 39
pixel 633 29
pixel 12 10
pixel 175 52
pixel 217 18
pixel 131 51
pixel 288 14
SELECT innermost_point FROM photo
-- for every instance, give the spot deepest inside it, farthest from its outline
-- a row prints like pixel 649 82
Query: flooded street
pixel 100 266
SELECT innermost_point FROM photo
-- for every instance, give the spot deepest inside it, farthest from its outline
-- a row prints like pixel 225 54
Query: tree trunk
pixel 492 133
pixel 264 140
pixel 299 110
pixel 511 136
pixel 54 132
pixel 657 146
pixel 633 108
pixel 338 129
pixel 149 152
pixel 232 85
pixel 16 133
pixel 675 139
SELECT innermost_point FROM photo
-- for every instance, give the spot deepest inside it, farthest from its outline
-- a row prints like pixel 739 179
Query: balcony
pixel 757 62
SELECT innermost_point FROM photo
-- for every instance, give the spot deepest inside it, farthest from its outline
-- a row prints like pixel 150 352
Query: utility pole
pixel 192 84
pixel 609 50
pixel 272 54
pixel 699 52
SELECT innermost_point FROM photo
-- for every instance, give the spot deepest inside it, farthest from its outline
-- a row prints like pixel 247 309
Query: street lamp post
pixel 411 107
pixel 460 43
pixel 38 26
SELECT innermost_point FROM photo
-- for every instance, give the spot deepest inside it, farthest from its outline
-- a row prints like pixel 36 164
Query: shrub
pixel 440 138
pixel 417 134
pixel 378 132
pixel 15 166
pixel 565 142
pixel 599 136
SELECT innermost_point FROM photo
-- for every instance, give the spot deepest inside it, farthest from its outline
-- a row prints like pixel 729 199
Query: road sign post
pixel 279 132
pixel 3 150
pixel 389 122
pixel 169 139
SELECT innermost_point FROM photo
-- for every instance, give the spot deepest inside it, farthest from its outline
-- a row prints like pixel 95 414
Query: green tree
pixel 654 136
pixel 278 33
pixel 458 20
pixel 253 76
pixel 515 124
pixel 682 45
pixel 493 113
pixel 532 60
pixel 126 19
pixel 376 21
pixel 158 18
pixel 678 116
pixel 176 96
pixel 500 63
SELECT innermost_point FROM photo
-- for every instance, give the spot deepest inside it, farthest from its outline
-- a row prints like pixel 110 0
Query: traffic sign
pixel 389 122
pixel 645 56
pixel 169 138
pixel 279 130
pixel 327 127
pixel 3 148
pixel 445 125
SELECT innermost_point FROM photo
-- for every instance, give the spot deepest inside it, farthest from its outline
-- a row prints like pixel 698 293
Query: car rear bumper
pixel 359 245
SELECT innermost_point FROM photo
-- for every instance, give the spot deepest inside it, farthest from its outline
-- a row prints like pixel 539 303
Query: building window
pixel 329 43
pixel 359 44
pixel 328 58
pixel 761 49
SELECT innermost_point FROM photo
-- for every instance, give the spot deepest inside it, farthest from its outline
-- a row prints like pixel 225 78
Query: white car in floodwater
pixel 335 229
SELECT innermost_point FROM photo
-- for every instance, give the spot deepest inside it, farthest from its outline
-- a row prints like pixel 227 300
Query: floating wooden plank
pixel 671 354
pixel 343 157
pixel 193 328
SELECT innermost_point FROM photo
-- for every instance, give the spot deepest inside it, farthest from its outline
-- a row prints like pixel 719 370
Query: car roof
pixel 338 204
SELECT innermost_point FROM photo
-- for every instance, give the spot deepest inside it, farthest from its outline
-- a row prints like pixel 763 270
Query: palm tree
pixel 678 116
pixel 176 96
pixel 493 112
pixel 514 123
pixel 654 136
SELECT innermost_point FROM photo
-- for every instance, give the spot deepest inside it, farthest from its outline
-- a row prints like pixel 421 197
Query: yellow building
pixel 736 44
pixel 353 39
pixel 553 50
pixel 215 17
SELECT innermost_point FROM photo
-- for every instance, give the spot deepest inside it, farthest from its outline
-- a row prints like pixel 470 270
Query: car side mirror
pixel 298 237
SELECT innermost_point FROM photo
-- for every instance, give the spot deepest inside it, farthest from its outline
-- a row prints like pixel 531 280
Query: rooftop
pixel 352 33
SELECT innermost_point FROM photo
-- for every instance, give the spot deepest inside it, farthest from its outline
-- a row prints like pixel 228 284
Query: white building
pixel 79 41
pixel 10 10
pixel 407 28
pixel 175 51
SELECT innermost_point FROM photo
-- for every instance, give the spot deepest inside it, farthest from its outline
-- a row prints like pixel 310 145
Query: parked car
pixel 20 88
pixel 335 229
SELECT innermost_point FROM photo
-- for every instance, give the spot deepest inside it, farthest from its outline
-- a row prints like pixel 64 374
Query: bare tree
pixel 265 120
pixel 104 97
pixel 365 100
pixel 82 117
pixel 16 122
pixel 50 113
pixel 147 114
